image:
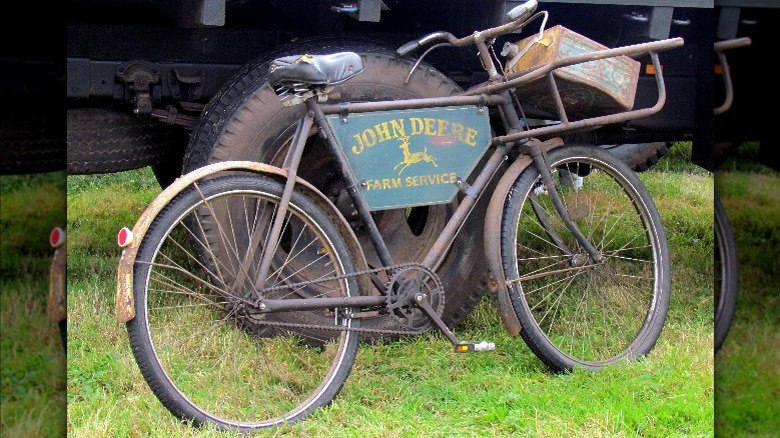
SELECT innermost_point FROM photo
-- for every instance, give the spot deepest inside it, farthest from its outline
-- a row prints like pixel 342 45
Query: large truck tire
pixel 639 156
pixel 107 140
pixel 246 120
pixel 31 143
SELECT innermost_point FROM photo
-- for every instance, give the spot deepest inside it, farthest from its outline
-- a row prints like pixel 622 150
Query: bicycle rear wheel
pixel 198 337
pixel 574 312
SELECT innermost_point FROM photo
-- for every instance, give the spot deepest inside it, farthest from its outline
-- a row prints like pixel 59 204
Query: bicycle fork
pixel 543 167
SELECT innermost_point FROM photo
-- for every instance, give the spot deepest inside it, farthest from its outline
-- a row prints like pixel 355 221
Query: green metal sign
pixel 406 158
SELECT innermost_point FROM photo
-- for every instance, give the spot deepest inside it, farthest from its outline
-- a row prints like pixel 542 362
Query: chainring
pixel 404 284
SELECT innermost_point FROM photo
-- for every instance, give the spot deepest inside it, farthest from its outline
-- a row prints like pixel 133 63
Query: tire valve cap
pixel 124 237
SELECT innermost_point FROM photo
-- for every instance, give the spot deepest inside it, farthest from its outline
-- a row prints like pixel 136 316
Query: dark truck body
pixel 755 82
pixel 155 64
pixel 182 54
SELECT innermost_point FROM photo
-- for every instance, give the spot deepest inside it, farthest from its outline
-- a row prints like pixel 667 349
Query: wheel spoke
pixel 202 342
pixel 576 312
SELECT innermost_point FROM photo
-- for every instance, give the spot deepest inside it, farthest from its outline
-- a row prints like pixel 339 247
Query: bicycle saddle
pixel 309 70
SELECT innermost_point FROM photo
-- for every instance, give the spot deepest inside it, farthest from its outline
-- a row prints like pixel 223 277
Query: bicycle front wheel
pixel 200 341
pixel 576 312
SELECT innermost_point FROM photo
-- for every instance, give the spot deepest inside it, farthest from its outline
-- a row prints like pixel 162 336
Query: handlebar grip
pixel 408 47
pixel 522 12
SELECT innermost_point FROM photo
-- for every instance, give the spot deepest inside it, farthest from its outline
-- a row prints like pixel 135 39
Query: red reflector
pixel 124 237
pixel 57 237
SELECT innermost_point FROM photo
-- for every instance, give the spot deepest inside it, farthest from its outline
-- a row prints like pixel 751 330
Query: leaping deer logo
pixel 413 157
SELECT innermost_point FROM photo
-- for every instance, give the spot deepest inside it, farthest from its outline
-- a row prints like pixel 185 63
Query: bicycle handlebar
pixel 518 15
pixel 732 44
pixel 413 45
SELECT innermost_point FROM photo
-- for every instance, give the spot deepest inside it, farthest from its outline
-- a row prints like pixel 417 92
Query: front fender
pixel 492 235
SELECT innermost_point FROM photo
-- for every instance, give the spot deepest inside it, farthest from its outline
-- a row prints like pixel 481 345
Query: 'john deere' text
pixel 417 126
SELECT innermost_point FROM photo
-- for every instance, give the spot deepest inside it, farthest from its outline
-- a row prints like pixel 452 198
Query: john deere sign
pixel 412 157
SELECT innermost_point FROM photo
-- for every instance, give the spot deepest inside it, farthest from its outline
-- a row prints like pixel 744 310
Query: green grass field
pixel 746 368
pixel 417 387
pixel 32 396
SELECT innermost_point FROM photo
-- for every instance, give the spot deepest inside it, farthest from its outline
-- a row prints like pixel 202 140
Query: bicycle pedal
pixel 473 348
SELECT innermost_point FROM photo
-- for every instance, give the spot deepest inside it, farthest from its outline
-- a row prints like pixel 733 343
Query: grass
pixel 32 396
pixel 747 374
pixel 417 387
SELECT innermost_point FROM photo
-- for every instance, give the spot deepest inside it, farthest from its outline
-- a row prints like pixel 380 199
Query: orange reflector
pixel 124 237
pixel 650 69
pixel 719 69
pixel 57 237
pixel 462 348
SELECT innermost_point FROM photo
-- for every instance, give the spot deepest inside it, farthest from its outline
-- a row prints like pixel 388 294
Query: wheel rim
pixel 226 373
pixel 592 314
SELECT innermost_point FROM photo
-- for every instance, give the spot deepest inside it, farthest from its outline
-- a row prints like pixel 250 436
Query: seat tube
pixel 352 184
pixel 292 161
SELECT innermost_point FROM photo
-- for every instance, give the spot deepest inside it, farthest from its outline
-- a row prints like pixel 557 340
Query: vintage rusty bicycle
pixel 246 290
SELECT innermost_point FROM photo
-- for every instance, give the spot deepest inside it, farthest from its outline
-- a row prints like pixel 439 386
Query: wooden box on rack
pixel 589 89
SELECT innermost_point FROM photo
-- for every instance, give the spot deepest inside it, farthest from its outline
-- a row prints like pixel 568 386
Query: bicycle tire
pixel 726 274
pixel 189 336
pixel 580 293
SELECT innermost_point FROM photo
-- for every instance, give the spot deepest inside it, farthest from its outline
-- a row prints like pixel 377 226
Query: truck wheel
pixel 639 156
pixel 104 140
pixel 31 143
pixel 247 121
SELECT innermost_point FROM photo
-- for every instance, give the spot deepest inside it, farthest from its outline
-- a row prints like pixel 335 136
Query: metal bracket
pixel 353 189
pixel 481 104
pixel 466 188
pixel 362 10
pixel 139 75
pixel 344 113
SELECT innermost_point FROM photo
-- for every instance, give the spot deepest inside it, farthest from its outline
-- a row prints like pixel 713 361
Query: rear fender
pixel 124 303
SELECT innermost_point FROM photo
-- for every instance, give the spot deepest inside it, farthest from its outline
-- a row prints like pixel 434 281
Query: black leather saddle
pixel 314 70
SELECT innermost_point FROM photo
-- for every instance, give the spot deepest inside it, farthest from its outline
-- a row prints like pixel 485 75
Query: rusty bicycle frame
pixel 496 92
pixel 491 94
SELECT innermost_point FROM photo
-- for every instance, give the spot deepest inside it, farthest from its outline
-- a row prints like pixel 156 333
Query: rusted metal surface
pixel 492 232
pixel 735 43
pixel 594 122
pixel 426 102
pixel 517 79
pixel 124 303
pixel 56 306
pixel 586 89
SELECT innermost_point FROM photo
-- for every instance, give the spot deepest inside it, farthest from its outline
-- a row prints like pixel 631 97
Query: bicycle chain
pixel 334 327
